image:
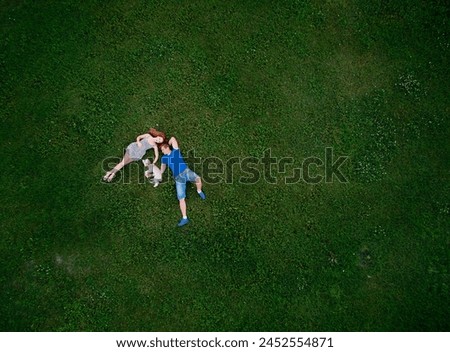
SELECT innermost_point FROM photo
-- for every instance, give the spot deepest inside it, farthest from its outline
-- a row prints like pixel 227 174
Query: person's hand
pixel 139 144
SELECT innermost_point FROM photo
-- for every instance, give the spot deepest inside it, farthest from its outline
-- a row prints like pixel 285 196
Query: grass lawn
pixel 80 80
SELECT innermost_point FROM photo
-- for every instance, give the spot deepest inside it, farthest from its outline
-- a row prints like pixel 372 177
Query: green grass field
pixel 79 82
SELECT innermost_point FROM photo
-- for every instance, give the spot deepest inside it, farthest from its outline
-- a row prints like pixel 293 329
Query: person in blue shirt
pixel 181 173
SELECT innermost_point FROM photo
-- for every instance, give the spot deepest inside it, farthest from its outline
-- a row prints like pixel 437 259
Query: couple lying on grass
pixel 172 157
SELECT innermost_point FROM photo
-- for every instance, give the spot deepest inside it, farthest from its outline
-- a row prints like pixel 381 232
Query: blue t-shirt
pixel 175 161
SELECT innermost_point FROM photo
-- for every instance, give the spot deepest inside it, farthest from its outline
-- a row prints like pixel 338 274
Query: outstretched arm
pixel 155 148
pixel 173 142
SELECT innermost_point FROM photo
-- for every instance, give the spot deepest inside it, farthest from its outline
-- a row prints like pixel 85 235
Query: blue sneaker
pixel 202 195
pixel 183 222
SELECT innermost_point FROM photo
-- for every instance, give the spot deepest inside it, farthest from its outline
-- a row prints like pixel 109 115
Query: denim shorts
pixel 182 179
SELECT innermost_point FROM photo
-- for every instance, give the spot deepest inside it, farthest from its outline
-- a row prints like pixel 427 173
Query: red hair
pixel 155 133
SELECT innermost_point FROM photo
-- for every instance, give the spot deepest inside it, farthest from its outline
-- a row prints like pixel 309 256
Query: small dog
pixel 153 172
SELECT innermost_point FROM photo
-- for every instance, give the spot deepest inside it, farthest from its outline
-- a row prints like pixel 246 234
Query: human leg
pixel 180 184
pixel 193 177
pixel 110 174
pixel 183 207
pixel 198 184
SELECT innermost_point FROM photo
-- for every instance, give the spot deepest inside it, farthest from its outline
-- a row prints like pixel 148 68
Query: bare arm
pixel 173 142
pixel 155 148
pixel 163 168
pixel 142 136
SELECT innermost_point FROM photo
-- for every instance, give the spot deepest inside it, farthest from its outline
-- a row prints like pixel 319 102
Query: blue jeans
pixel 182 179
